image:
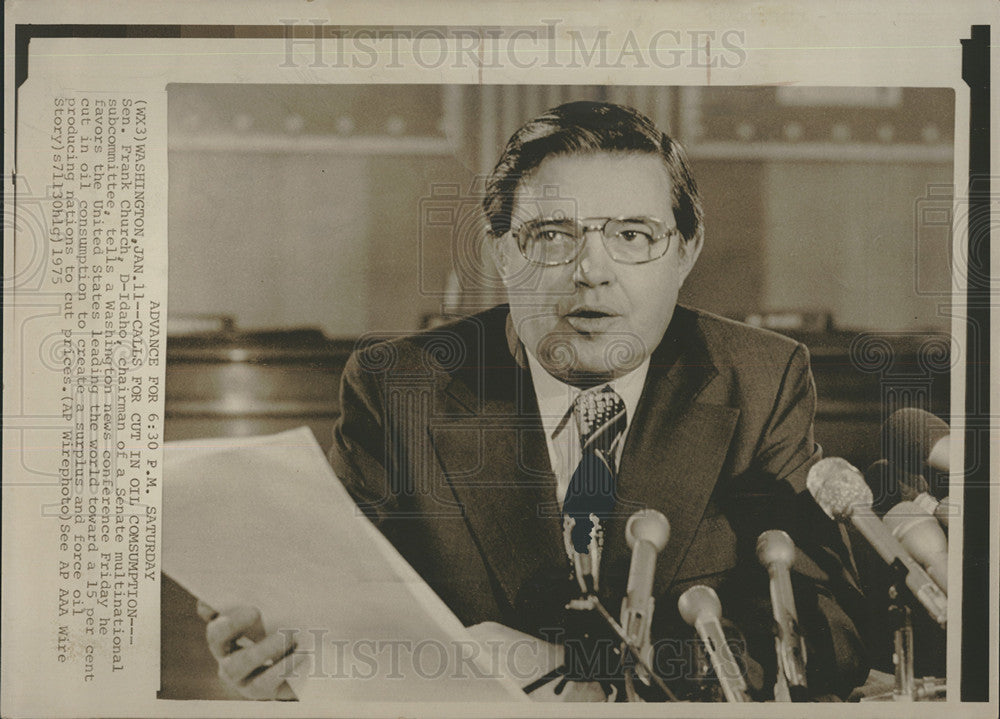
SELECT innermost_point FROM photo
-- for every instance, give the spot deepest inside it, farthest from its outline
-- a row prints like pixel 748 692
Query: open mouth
pixel 591 312
pixel 589 319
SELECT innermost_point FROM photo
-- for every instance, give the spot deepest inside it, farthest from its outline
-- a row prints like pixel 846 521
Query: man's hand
pixel 252 664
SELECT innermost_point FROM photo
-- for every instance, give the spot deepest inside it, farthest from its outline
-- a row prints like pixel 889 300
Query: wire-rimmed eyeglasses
pixel 551 241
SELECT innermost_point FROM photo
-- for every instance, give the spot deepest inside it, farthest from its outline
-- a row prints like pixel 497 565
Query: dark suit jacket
pixel 440 442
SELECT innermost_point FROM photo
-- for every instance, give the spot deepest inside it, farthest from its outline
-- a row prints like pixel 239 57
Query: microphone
pixel 646 532
pixel 776 551
pixel 922 537
pixel 700 607
pixel 841 492
pixel 941 510
pixel 890 485
pixel 916 437
pixel 914 488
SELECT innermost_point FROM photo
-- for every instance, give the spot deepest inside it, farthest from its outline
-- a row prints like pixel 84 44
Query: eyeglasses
pixel 558 241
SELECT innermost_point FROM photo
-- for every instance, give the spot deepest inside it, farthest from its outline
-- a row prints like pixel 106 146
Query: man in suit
pixel 501 451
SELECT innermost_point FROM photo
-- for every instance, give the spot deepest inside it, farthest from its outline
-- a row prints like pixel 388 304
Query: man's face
pixel 594 319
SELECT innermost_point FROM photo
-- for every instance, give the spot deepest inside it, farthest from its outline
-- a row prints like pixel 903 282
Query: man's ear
pixel 687 254
pixel 500 250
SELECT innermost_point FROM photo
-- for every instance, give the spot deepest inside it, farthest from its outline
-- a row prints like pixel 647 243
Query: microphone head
pixel 882 481
pixel 891 483
pixel 647 525
pixel 912 485
pixel 699 601
pixel 944 511
pixel 921 537
pixel 909 435
pixel 838 487
pixel 775 547
pixel 904 517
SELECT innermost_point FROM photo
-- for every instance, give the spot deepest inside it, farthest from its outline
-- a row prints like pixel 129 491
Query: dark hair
pixel 587 127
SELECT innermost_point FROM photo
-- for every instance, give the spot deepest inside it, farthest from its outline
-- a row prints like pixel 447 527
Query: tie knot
pixel 600 416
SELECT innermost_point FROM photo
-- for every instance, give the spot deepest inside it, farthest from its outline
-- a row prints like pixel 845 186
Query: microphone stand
pixel 907 687
pixel 902 647
pixel 590 601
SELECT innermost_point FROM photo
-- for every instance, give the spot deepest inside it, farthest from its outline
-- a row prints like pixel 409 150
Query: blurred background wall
pixel 355 207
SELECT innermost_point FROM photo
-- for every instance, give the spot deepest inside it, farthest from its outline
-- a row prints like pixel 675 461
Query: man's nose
pixel 594 265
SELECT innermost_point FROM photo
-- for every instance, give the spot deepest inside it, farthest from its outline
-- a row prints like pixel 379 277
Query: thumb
pixel 206 612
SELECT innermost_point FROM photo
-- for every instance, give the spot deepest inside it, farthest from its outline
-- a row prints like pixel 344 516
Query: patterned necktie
pixel 601 419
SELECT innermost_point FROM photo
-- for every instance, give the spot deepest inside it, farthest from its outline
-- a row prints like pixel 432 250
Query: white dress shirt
pixel 555 405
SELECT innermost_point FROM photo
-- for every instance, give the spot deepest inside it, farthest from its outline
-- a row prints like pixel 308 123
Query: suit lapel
pixel 674 450
pixel 491 445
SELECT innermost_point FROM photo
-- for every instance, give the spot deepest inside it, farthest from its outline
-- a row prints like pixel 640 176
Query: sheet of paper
pixel 265 522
